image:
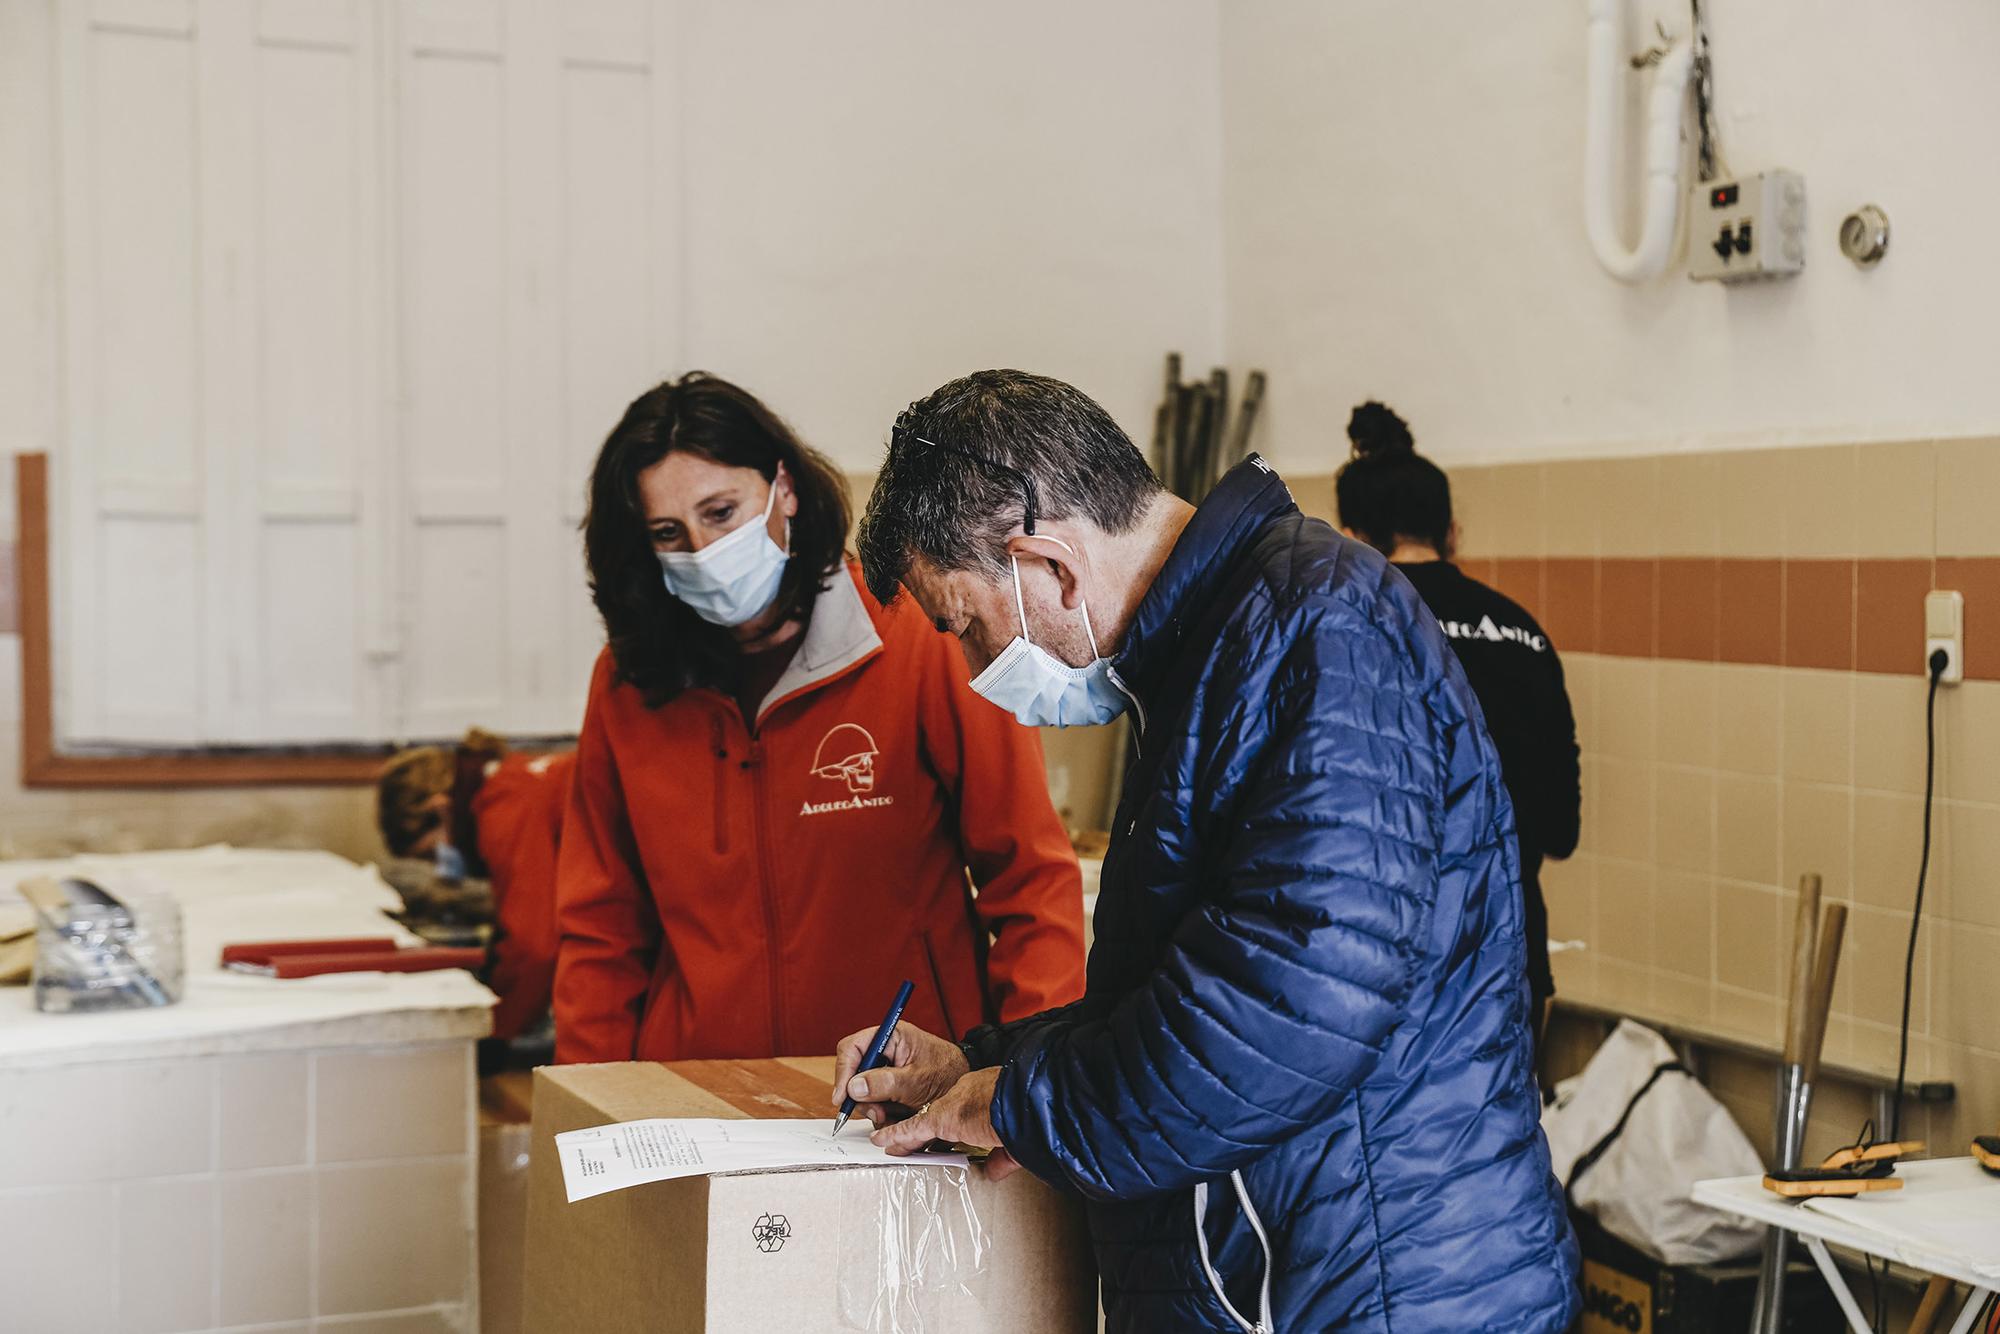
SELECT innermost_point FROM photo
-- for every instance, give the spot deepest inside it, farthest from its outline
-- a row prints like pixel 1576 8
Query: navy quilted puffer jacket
pixel 1297 1094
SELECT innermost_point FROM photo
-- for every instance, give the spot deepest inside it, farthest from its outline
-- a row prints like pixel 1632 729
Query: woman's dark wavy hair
pixel 657 642
pixel 1388 490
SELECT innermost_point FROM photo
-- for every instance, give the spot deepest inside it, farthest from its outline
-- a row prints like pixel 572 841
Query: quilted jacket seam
pixel 1319 1084
pixel 1374 1210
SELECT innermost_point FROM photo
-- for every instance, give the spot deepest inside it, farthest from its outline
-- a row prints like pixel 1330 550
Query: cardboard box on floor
pixel 504 1137
pixel 846 1249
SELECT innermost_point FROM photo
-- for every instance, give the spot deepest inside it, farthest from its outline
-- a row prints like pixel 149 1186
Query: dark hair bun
pixel 1376 429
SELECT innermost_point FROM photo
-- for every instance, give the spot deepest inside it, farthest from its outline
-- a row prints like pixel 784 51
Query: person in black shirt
pixel 1399 502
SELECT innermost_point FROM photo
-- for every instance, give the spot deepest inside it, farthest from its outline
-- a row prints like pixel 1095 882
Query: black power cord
pixel 1939 660
pixel 1708 153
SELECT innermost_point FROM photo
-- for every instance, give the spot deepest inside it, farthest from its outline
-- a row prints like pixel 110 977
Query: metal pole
pixel 1794 1100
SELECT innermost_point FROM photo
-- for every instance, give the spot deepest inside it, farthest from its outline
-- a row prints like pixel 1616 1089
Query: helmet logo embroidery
pixel 847 755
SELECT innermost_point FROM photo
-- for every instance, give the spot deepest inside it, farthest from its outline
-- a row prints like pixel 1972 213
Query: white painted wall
pixel 28 384
pixel 1402 220
pixel 883 195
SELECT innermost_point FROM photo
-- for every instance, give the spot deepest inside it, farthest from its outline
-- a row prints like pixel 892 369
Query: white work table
pixel 242 894
pixel 1945 1221
pixel 264 1153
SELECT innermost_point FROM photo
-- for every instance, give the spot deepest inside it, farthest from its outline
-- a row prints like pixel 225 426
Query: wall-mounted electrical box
pixel 1752 227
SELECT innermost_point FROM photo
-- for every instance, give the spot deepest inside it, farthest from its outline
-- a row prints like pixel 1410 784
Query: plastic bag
pixel 1675 1133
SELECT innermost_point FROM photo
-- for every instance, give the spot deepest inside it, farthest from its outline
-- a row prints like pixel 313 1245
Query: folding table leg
pixel 1848 1306
pixel 1969 1313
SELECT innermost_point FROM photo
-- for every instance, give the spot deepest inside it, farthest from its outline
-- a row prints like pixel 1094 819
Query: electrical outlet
pixel 1944 628
pixel 1748 229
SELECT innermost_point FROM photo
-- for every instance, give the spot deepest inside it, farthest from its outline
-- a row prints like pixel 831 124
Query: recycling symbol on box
pixel 770 1231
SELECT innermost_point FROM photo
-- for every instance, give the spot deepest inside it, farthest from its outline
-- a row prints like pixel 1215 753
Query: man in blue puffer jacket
pixel 1297 1094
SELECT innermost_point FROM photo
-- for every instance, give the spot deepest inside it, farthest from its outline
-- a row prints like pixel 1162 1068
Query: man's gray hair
pixel 969 464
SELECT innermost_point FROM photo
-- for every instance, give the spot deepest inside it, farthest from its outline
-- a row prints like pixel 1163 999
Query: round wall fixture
pixel 1864 236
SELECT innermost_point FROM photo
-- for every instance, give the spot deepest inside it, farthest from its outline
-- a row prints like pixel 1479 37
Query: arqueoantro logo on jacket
pixel 846 755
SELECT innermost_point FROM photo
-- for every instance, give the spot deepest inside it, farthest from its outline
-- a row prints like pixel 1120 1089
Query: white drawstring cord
pixel 1264 1324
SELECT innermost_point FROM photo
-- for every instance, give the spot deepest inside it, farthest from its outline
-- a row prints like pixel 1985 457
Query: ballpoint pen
pixel 873 1056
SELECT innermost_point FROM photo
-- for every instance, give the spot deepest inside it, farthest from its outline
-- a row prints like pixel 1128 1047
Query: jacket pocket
pixel 1263 1324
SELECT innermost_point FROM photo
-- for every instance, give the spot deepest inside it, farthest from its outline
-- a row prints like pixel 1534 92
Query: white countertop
pixel 241 894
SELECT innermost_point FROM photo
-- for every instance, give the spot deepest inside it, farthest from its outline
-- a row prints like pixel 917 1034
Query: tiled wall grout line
pixel 216 1258
pixel 470 1190
pixel 312 1188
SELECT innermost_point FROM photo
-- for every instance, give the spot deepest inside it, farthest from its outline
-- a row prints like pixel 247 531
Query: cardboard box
pixel 1626 1291
pixel 894 1250
pixel 504 1137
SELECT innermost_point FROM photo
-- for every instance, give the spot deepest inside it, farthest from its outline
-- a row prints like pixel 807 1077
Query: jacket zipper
pixel 1263 1324
pixel 1139 745
pixel 767 888
pixel 721 783
pixel 1138 709
pixel 937 985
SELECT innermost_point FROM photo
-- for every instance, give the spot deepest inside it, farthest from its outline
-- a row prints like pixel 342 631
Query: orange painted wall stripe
pixel 1836 614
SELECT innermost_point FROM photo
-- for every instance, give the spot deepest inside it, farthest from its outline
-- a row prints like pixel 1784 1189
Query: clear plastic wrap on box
pixel 926 1244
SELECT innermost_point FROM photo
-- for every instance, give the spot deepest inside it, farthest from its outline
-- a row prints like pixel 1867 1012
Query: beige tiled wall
pixel 1711 785
pixel 322 1190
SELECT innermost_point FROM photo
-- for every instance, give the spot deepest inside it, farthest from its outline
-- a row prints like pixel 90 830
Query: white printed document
pixel 631 1153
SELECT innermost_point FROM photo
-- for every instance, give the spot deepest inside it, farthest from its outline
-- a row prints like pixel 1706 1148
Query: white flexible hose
pixel 1603 133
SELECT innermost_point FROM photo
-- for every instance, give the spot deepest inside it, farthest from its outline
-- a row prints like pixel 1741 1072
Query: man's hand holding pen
pixel 948 1100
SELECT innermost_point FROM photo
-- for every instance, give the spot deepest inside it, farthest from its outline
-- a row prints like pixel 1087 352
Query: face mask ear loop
pixel 1020 608
pixel 771 503
pixel 1082 604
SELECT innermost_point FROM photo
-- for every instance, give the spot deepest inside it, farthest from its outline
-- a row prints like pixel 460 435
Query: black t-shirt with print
pixel 1514 670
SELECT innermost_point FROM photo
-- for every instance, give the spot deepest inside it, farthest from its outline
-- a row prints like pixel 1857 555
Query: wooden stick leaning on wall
pixel 1792 1105
pixel 1798 988
pixel 1931 1306
pixel 1826 963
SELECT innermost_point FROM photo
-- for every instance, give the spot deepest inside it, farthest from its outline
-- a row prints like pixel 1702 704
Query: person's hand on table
pixel 963 1114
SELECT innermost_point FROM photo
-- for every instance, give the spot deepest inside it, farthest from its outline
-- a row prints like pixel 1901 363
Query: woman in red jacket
pixel 787 798
pixel 479 809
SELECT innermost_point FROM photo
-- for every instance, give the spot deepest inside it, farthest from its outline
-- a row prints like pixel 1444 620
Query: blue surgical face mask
pixel 449 861
pixel 1041 690
pixel 731 581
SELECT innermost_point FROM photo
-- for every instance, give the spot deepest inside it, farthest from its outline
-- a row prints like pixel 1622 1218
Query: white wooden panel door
pixel 619 280
pixel 137 606
pixel 451 287
pixel 353 289
pixel 221 579
pixel 314 518
pixel 539 278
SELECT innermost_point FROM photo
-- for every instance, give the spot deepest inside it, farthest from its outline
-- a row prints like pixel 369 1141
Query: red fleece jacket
pixel 519 813
pixel 730 892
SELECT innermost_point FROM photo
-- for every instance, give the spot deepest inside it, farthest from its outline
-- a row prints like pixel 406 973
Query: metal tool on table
pixel 1809 994
pixel 95 951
